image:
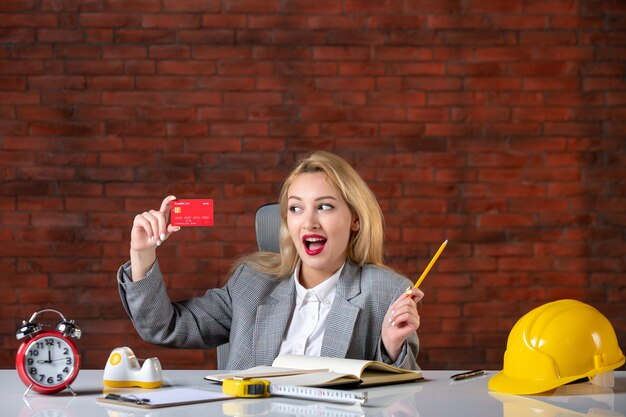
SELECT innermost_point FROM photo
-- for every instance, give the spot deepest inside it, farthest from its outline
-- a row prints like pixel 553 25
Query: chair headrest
pixel 267 225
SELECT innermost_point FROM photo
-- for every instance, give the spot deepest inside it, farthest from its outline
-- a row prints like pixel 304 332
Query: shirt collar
pixel 323 291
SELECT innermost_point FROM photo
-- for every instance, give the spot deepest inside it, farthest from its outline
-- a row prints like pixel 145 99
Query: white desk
pixel 435 396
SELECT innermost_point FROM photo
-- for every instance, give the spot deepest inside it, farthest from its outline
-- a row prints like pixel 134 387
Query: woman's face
pixel 319 223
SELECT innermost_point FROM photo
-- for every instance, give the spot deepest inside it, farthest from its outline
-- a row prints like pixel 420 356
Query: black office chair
pixel 267 227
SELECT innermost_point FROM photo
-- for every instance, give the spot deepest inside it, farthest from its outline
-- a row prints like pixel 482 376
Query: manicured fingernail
pixel 158 243
pixel 162 236
pixel 177 228
pixel 151 238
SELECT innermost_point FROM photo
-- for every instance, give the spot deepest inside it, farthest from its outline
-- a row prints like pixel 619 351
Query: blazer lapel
pixel 271 322
pixel 343 314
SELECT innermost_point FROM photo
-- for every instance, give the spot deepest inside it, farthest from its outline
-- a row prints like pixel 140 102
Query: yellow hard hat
pixel 554 344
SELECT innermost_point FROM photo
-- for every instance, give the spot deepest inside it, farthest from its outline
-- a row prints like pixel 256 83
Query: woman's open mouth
pixel 313 244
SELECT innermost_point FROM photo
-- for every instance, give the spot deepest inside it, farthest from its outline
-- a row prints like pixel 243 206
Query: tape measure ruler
pixel 255 388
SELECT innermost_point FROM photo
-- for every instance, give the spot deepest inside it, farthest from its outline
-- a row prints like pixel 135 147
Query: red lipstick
pixel 313 244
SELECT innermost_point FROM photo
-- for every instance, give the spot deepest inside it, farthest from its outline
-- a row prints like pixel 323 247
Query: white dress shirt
pixel 306 330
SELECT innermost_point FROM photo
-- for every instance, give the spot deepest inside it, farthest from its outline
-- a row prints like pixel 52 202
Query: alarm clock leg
pixel 71 390
pixel 27 391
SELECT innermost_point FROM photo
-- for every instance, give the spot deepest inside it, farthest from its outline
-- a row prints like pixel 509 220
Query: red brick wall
pixel 498 125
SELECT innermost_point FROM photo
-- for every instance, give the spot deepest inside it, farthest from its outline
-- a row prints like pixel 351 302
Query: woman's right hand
pixel 150 229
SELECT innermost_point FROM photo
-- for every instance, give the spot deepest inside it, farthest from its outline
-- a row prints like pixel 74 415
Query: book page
pixel 339 365
pixel 314 379
pixel 373 377
pixel 259 372
pixel 369 372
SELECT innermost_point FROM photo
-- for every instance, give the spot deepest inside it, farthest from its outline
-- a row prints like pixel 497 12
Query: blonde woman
pixel 327 293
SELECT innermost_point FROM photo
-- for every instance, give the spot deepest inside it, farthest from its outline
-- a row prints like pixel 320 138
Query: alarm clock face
pixel 50 362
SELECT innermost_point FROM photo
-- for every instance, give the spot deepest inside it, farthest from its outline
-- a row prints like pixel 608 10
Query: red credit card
pixel 196 212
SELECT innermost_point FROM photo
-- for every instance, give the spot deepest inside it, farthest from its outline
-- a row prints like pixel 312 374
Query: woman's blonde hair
pixel 365 245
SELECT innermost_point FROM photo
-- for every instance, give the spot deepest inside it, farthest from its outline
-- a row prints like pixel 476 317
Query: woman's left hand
pixel 401 320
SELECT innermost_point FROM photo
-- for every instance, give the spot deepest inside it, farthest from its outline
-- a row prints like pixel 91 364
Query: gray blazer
pixel 253 310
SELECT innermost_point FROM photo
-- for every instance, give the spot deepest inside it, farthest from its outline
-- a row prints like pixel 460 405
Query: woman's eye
pixel 325 207
pixel 295 209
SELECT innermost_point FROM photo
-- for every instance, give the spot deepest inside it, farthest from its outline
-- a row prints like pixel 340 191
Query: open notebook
pixel 316 371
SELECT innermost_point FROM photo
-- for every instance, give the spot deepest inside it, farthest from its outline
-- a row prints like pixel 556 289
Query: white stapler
pixel 123 371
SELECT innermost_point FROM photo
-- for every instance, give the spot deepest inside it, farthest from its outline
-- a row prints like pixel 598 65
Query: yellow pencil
pixel 430 265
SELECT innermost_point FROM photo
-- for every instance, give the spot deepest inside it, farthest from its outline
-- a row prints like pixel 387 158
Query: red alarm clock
pixel 48 361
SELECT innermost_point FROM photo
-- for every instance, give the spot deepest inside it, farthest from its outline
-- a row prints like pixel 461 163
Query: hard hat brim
pixel 503 383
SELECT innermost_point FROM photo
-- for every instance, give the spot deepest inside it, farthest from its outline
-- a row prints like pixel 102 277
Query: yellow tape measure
pixel 255 388
pixel 246 388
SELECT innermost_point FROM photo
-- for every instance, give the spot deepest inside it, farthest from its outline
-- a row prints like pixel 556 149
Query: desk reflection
pixel 575 400
pixel 436 395
pixel 45 406
pixel 396 401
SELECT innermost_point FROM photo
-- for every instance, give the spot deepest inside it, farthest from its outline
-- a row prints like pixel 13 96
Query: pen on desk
pixel 469 374
pixel 408 291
